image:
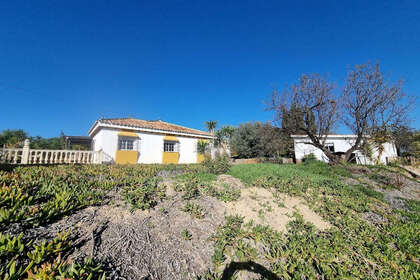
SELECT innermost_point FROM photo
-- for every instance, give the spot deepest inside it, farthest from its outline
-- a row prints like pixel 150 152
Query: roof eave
pixel 328 136
pixel 99 124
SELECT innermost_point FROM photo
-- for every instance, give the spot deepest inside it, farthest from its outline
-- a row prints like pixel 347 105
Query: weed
pixel 144 194
pixel 265 207
pixel 186 235
pixel 228 193
pixel 217 166
pixel 194 210
pixel 195 185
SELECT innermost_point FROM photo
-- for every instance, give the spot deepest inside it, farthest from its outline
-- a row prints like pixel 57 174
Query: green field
pixel 371 236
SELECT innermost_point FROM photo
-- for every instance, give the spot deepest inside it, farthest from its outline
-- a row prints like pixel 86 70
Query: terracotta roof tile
pixel 158 125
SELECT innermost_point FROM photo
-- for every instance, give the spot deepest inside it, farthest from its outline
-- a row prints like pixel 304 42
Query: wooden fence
pixel 26 155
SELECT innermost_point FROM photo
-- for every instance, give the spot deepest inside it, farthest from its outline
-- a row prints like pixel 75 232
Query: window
pixel 125 144
pixel 169 146
pixel 330 147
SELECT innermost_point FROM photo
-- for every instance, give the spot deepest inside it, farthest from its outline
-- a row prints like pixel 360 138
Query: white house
pixel 129 140
pixel 339 144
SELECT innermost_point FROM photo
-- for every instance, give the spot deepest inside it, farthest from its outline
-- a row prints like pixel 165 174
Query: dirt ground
pixel 149 244
pixel 261 206
pixel 145 244
pixel 394 186
pixel 414 170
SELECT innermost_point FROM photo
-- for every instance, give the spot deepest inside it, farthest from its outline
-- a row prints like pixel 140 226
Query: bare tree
pixel 372 105
pixel 317 109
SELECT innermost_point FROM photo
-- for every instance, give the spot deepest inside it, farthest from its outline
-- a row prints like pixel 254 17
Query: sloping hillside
pixel 256 221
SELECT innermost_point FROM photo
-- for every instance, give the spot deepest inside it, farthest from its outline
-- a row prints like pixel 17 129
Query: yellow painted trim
pixel 170 138
pixel 170 157
pixel 123 157
pixel 128 133
pixel 200 158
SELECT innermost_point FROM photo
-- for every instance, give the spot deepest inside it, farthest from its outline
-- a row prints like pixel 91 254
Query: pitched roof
pixel 154 125
pixel 328 136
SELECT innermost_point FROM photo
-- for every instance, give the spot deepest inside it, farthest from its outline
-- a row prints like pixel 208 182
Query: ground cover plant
pixel 165 213
pixel 32 197
pixel 355 247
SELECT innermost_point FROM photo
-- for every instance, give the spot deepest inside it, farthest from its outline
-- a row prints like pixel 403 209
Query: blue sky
pixel 64 64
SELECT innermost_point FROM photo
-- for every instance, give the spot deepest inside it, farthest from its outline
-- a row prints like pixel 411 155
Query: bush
pixel 309 158
pixel 258 139
pixel 217 166
pixel 145 194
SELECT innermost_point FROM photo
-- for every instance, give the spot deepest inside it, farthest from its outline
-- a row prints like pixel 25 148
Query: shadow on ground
pixel 248 266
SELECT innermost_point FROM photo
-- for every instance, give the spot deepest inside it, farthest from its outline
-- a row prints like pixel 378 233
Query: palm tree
pixel 202 146
pixel 222 138
pixel 219 138
pixel 227 131
pixel 211 125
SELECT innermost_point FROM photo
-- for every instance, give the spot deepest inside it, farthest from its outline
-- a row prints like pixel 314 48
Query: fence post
pixel 25 152
pixel 99 156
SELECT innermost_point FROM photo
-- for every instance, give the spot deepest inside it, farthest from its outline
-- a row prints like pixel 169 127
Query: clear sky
pixel 64 64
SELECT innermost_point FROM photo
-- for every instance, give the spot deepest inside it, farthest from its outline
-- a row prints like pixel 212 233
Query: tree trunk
pixel 333 159
pixel 355 147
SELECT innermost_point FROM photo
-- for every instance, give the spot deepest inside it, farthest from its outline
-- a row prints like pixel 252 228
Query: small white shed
pixel 340 144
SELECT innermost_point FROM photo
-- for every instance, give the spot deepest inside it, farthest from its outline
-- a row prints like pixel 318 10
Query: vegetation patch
pixel 144 194
pixel 330 229
pixel 186 235
pixel 194 210
pixel 194 185
pixel 20 258
pixel 227 193
pixel 352 248
pixel 217 166
pixel 33 198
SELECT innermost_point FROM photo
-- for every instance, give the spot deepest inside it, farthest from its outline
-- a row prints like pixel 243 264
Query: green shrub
pixel 217 166
pixel 309 158
pixel 144 194
pixel 195 184
pixel 202 146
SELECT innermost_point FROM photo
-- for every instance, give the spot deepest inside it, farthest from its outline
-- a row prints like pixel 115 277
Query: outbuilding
pixel 339 144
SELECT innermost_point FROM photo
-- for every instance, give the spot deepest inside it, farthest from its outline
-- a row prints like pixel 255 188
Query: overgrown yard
pixel 256 221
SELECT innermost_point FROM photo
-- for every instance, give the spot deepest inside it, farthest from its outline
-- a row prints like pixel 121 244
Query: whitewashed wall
pixel 188 150
pixel 107 141
pixel 389 151
pixel 150 146
pixel 341 145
